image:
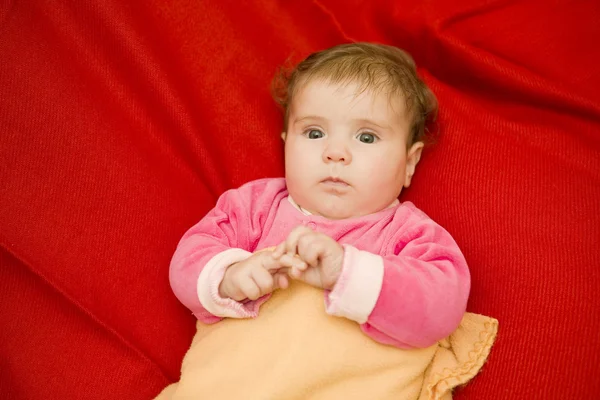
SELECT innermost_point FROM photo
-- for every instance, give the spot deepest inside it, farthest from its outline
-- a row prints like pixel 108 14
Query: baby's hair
pixel 374 67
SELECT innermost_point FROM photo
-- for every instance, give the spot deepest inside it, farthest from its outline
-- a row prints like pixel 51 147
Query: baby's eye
pixel 314 134
pixel 367 138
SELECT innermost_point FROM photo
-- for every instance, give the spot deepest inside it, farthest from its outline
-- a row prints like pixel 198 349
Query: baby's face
pixel 346 155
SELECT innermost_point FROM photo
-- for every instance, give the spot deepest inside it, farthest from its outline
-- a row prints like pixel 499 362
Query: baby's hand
pixel 321 257
pixel 252 278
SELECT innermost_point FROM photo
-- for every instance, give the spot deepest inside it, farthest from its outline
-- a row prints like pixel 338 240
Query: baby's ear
pixel 412 159
pixel 283 135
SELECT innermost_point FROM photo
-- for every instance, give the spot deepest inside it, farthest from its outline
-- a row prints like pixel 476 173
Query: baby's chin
pixel 337 207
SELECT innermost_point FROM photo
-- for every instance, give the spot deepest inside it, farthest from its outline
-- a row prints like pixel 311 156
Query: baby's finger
pixel 300 275
pixel 263 280
pixel 270 263
pixel 279 250
pixel 281 280
pixel 291 243
pixel 249 288
pixel 310 248
pixel 290 261
pixel 295 273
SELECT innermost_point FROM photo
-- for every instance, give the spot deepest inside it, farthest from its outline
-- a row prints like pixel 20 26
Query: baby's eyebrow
pixel 309 117
pixel 363 121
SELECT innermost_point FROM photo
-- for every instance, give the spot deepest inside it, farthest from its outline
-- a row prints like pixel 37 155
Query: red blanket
pixel 122 121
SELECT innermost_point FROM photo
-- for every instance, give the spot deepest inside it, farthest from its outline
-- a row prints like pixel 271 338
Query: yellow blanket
pixel 294 350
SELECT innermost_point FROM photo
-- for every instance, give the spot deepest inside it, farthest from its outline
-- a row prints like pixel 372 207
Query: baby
pixel 354 129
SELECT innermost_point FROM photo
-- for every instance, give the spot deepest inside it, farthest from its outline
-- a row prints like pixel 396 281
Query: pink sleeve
pixel 410 299
pixel 227 234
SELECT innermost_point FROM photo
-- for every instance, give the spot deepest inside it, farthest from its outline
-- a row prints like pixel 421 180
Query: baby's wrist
pixel 224 289
pixel 337 270
pixel 223 293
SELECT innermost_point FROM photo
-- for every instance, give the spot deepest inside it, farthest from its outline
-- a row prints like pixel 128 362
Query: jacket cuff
pixel 357 290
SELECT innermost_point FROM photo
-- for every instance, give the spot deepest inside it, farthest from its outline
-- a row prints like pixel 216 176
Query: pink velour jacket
pixel 404 279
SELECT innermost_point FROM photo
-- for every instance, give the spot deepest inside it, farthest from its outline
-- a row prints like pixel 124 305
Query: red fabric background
pixel 122 122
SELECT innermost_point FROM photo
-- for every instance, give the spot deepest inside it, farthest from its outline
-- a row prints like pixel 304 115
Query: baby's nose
pixel 336 153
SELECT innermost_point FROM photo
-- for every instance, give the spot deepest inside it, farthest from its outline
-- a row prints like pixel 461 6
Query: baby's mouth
pixel 335 182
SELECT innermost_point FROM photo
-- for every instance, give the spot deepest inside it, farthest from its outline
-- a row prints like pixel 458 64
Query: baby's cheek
pixel 383 177
pixel 382 185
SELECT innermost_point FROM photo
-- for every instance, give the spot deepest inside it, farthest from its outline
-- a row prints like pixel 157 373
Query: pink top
pixel 404 279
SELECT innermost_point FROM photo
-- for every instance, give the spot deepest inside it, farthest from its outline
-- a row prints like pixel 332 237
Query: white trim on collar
pixel 297 206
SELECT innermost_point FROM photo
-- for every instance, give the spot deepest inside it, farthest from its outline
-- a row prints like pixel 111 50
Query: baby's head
pixel 355 119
